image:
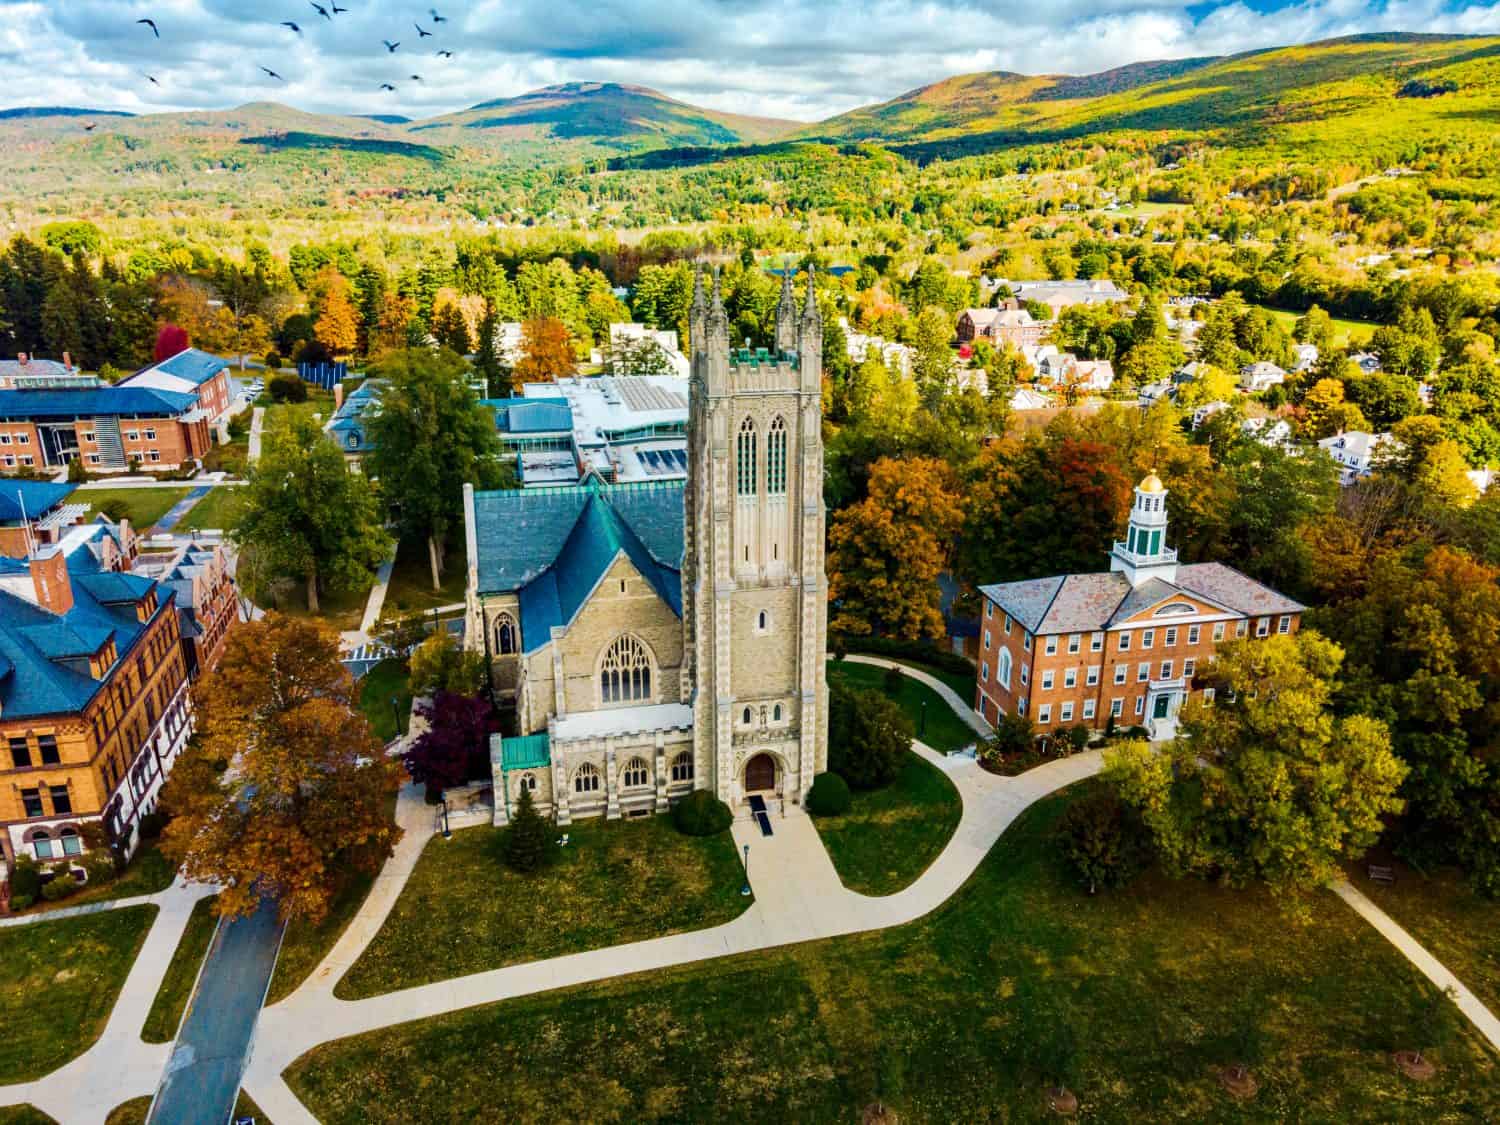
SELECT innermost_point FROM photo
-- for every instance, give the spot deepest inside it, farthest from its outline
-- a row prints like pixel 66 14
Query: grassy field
pixel 960 1016
pixel 463 911
pixel 1455 925
pixel 216 510
pixel 1343 330
pixel 963 685
pixel 318 402
pixel 940 728
pixel 376 688
pixel 890 836
pixel 58 983
pixel 29 1115
pixel 177 983
pixel 146 505
pixel 132 1112
pixel 147 873
pixel 411 579
pixel 304 946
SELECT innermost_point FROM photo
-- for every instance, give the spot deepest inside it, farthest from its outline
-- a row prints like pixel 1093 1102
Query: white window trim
pixel 1048 678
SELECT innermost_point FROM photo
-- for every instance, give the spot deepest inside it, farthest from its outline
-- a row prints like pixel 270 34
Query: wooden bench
pixel 1385 876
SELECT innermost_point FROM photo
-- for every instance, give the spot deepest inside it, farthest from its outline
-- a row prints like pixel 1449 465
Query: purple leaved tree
pixel 455 746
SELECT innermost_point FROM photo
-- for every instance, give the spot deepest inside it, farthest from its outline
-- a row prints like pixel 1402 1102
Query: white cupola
pixel 1144 554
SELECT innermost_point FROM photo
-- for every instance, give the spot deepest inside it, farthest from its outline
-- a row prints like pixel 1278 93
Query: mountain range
pixel 1365 87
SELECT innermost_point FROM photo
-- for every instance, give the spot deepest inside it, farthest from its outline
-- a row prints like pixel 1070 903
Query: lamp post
pixel 745 890
pixel 447 832
pixel 396 713
pixel 922 722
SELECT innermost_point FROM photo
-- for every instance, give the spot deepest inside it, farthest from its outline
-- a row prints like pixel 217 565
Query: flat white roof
pixel 605 403
pixel 622 720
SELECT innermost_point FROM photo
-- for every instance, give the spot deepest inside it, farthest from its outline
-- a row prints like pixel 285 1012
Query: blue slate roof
pixel 91 402
pixel 194 366
pixel 33 640
pixel 552 546
pixel 36 497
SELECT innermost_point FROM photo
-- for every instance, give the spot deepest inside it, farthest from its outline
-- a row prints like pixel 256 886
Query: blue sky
pixel 771 57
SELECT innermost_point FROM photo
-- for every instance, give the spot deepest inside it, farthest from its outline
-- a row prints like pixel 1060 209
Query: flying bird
pixel 152 25
pixel 387 86
pixel 322 11
pixel 91 126
pixel 293 26
pixel 151 78
pixel 421 33
pixel 416 78
pixel 337 9
pixel 389 46
pixel 437 18
pixel 445 54
pixel 273 74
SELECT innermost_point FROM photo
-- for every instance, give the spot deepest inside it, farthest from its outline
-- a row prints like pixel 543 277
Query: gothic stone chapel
pixel 662 637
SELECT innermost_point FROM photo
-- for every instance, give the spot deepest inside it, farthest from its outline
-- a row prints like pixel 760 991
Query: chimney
pixel 49 574
pixel 338 395
pixel 67 363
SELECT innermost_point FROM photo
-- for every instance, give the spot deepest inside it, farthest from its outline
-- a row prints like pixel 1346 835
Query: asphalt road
pixel 202 1077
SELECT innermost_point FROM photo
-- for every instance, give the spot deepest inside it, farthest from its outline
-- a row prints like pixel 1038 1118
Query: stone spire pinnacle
pixel 716 306
pixel 786 316
pixel 810 310
pixel 700 300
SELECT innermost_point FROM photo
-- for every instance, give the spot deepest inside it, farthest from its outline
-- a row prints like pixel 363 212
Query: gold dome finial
pixel 1152 483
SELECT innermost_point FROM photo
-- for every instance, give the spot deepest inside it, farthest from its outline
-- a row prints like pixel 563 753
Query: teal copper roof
pixel 529 752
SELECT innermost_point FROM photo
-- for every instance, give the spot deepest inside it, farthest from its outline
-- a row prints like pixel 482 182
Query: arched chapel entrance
pixel 760 774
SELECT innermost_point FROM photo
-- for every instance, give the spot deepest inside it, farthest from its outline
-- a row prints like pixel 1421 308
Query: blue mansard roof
pixel 194 366
pixel 551 546
pixel 30 499
pixel 93 402
pixel 35 642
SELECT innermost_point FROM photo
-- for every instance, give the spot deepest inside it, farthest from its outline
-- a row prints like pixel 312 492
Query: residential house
pixel 859 347
pixel 1307 356
pixel 1058 295
pixel 1124 647
pixel 1260 376
pixel 34 513
pixel 1355 452
pixel 1203 413
pixel 93 695
pixel 1028 398
pixel 1275 433
pixel 349 425
pixel 1001 326
pixel 1367 362
pixel 626 341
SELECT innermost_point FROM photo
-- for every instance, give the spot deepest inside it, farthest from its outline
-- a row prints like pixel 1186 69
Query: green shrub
pixel 62 886
pixel 868 737
pixel 152 824
pixel 25 879
pixel 273 361
pixel 287 388
pixel 115 509
pixel 21 902
pixel 1078 737
pixel 892 680
pixel 829 795
pixel 528 840
pixel 77 474
pixel 100 867
pixel 700 813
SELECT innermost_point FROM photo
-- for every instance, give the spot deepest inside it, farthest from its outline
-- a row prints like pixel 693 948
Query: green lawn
pixel 146 505
pixel 963 685
pixel 940 728
pixel 132 1112
pixel 463 911
pixel 58 983
pixel 244 1106
pixel 318 402
pixel 148 873
pixel 177 983
pixel 217 510
pixel 376 688
pixel 955 1017
pixel 30 1115
pixel 1459 928
pixel 304 946
pixel 411 579
pixel 890 836
pixel 1343 330
pixel 233 458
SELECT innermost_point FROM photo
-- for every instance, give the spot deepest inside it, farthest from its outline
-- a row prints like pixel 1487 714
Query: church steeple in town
pixel 1145 555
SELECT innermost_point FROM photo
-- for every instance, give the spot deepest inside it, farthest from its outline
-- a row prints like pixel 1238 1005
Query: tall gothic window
pixel 637 775
pixel 682 766
pixel 586 780
pixel 746 464
pixel 625 674
pixel 776 458
pixel 507 637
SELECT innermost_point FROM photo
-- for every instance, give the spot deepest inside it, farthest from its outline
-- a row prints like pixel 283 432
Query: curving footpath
pixel 961 708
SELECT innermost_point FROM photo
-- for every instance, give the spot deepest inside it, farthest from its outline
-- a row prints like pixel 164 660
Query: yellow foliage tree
pixel 338 322
pixel 546 351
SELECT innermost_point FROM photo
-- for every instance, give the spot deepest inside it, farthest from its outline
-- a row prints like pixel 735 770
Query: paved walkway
pixel 202 1077
pixel 1470 1005
pixel 961 707
pixel 257 424
pixel 120 1065
pixel 177 511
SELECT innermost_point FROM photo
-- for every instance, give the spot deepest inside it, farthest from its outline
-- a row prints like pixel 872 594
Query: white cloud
pixel 768 57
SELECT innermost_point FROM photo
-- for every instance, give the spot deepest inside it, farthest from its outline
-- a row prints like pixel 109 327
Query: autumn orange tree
pixel 338 321
pixel 887 551
pixel 546 351
pixel 282 792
